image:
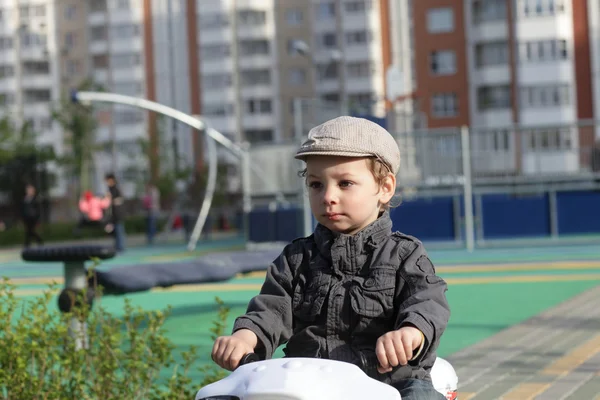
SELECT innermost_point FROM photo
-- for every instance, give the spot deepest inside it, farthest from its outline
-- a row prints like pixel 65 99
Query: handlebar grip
pixel 249 358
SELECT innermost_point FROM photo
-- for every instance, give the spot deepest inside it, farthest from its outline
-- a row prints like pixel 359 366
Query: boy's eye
pixel 345 184
pixel 314 185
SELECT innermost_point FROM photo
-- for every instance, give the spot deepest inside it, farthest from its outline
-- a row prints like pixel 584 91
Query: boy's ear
pixel 388 188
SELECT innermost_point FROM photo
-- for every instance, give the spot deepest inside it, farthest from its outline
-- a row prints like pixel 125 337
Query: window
pixel 128 117
pixel 489 10
pixel 543 96
pixel 440 20
pixel 6 42
pixel 491 53
pixel 98 33
pixel 258 135
pixel 218 109
pixel 128 88
pixel 215 50
pixel 212 21
pixel 297 76
pixel 39 10
pixel 294 16
pixel 30 39
pixel 125 31
pixel 443 62
pixel 548 139
pixel 254 47
pixel 359 69
pixel 358 37
pixel 37 95
pixel 70 11
pixel 540 8
pixel 125 60
pixel 98 5
pixel 327 71
pixel 255 77
pixel 444 105
pixel 121 4
pixel 100 61
pixel 258 106
pixel 326 40
pixel 357 6
pixel 493 140
pixel 6 71
pixel 361 100
pixel 252 17
pixel 36 67
pixel 325 11
pixel 493 97
pixel 543 50
pixel 6 99
pixel 70 40
pixel 216 81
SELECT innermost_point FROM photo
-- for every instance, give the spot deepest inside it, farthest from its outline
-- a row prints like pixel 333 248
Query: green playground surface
pixel 489 289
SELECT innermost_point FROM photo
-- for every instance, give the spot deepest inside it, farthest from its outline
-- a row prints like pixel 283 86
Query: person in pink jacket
pixel 92 209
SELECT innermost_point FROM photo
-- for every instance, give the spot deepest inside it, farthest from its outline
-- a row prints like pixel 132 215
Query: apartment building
pixel 257 59
pixel 495 64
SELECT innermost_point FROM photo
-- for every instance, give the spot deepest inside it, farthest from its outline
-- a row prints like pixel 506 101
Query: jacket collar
pixel 366 239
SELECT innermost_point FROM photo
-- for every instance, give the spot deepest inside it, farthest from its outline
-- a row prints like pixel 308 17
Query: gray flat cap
pixel 352 137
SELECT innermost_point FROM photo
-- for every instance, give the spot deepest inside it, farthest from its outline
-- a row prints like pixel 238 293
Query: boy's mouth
pixel 333 216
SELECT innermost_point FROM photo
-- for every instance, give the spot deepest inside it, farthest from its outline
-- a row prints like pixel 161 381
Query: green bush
pixel 38 358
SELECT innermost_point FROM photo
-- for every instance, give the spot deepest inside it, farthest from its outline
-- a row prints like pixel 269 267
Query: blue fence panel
pixel 288 224
pixel 263 226
pixel 427 219
pixel 578 212
pixel 506 216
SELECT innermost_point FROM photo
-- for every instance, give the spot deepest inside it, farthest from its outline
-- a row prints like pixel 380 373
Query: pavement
pixel 525 320
pixel 554 355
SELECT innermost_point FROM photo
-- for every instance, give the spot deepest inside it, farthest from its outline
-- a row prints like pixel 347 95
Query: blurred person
pixel 115 222
pixel 151 203
pixel 92 210
pixel 31 214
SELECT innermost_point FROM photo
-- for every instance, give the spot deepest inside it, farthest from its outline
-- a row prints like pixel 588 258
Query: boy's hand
pixel 396 347
pixel 228 350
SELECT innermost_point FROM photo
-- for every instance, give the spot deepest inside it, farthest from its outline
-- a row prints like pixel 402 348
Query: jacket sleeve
pixel 422 299
pixel 269 314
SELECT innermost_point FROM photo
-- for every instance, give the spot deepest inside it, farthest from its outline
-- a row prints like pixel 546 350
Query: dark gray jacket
pixel 332 296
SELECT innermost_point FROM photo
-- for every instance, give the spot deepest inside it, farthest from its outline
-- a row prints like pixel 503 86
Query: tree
pixel 79 123
pixel 23 161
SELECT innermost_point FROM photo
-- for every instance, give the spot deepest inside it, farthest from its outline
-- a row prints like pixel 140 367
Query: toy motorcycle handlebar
pixel 249 358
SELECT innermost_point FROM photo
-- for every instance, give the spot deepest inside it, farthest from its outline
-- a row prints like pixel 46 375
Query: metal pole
pixel 76 280
pixel 307 223
pixel 553 214
pixel 468 189
pixel 209 195
pixel 247 200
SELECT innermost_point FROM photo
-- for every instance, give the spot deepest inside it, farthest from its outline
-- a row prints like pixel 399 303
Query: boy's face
pixel 344 195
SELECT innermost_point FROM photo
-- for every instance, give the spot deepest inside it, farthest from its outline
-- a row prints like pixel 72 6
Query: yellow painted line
pixel 234 287
pixel 574 358
pixel 548 266
pixel 37 280
pixel 526 391
pixel 522 279
pixel 227 287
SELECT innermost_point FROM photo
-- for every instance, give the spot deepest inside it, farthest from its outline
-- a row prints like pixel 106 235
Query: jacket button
pixel 369 282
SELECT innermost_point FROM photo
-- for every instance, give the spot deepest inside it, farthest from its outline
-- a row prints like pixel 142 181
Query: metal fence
pixel 461 161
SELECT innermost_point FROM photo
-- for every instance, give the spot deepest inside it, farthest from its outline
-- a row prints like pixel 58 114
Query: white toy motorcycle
pixel 313 379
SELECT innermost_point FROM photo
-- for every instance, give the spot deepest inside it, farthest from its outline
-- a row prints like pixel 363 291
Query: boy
pixel 352 291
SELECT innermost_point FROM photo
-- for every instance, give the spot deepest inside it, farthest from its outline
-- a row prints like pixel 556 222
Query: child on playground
pixel 354 290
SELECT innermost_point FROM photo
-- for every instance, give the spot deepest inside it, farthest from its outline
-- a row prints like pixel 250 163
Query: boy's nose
pixel 330 196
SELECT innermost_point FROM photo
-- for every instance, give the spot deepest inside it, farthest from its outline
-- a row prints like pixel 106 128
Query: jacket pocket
pixel 310 294
pixel 373 296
